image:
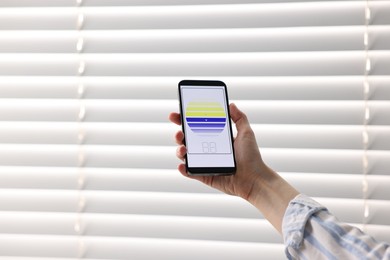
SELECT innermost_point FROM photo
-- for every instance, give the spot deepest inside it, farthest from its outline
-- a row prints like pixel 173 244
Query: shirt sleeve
pixel 311 232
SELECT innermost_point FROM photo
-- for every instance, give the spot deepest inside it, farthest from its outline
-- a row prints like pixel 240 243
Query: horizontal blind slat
pixel 47 3
pixel 38 246
pixel 132 248
pixel 137 248
pixel 196 205
pixel 264 112
pixel 187 17
pixel 276 136
pixel 232 64
pixel 111 225
pixel 243 88
pixel 207 40
pixel 331 161
pixel 106 225
pixel 379 213
pixel 162 157
pixel 209 205
pixel 333 185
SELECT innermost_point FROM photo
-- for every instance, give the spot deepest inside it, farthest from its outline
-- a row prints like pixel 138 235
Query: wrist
pixel 271 195
pixel 265 178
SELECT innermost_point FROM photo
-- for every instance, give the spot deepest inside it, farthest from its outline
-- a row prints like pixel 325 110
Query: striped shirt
pixel 311 232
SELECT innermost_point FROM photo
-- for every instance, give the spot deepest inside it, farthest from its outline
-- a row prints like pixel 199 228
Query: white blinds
pixel 87 160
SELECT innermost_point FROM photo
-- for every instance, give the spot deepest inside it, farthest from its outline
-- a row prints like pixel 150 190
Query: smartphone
pixel 208 137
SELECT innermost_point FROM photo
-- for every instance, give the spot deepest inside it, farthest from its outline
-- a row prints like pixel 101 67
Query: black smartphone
pixel 208 137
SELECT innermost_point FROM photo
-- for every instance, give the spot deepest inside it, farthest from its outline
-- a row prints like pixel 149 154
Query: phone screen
pixel 207 128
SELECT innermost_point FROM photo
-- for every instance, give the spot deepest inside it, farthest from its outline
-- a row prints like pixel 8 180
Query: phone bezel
pixel 207 170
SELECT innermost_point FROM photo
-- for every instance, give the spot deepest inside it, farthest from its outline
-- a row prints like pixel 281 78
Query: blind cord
pixel 366 116
pixel 81 201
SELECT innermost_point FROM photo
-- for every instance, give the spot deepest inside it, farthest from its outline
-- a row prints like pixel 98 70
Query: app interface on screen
pixel 207 127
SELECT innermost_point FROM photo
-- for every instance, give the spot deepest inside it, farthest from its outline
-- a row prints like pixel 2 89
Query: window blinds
pixel 87 158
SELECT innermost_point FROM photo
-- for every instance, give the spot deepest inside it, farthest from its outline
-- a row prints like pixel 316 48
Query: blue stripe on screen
pixel 206 119
pixel 200 130
pixel 207 125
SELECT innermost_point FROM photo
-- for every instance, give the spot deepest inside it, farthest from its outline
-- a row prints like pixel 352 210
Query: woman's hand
pixel 248 158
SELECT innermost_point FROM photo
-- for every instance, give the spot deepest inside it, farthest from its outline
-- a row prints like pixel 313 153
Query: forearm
pixel 271 195
pixel 310 231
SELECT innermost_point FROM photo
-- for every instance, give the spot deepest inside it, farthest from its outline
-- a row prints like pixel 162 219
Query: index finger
pixel 175 118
